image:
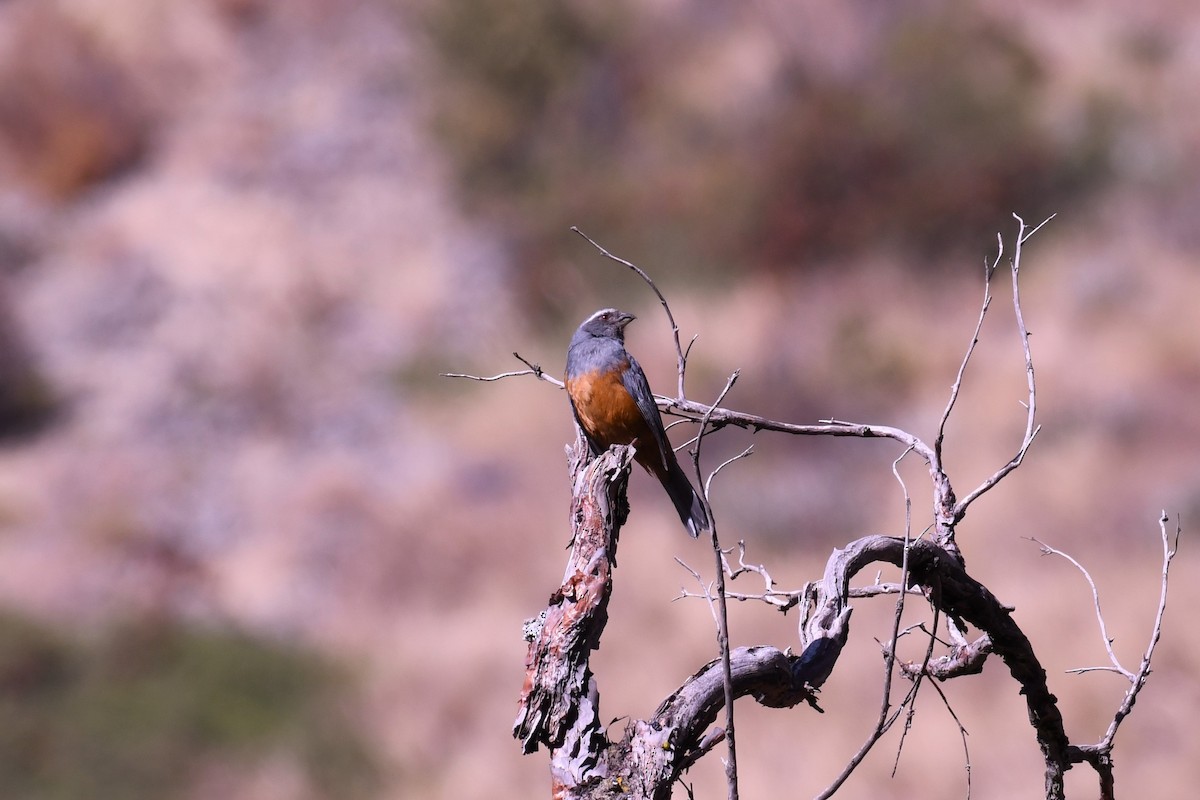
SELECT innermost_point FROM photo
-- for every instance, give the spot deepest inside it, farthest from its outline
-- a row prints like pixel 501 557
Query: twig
pixel 679 353
pixel 1039 226
pixel 743 567
pixel 534 369
pixel 988 271
pixel 877 589
pixel 731 775
pixel 962 732
pixel 1099 755
pixel 1031 426
pixel 770 595
pixel 1112 657
pixel 706 588
pixel 882 723
pixel 1143 672
pixel 787 600
pixel 910 699
pixel 749 451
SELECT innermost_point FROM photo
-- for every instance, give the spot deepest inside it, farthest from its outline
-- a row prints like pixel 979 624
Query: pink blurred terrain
pixel 240 240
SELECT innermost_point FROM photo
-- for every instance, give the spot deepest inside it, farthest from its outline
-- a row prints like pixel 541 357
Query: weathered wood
pixel 559 703
pixel 949 587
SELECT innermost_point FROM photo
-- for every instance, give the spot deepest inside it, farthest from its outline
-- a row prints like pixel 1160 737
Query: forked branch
pixel 559 705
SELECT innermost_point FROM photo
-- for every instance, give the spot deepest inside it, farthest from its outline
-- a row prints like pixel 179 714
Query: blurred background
pixel 253 546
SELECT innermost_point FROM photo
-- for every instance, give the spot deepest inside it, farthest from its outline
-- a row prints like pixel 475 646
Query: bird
pixel 613 404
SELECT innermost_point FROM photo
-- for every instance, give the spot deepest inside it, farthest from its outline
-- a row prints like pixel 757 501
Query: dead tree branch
pixel 1031 427
pixel 680 354
pixel 559 701
pixel 534 369
pixel 1099 755
pixel 731 776
pixel 559 706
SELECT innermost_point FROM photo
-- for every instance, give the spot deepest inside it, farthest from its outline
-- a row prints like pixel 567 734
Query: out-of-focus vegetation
pixel 27 402
pixel 70 115
pixel 143 710
pixel 240 239
pixel 924 148
pixel 575 113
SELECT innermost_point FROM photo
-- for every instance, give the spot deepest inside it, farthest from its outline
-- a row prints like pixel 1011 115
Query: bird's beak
pixel 626 318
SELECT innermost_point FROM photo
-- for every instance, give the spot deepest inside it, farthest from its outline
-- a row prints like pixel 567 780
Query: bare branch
pixel 560 705
pixel 782 600
pixel 1112 657
pixel 959 596
pixel 988 271
pixel 877 589
pixel 965 659
pixel 1099 755
pixel 749 451
pixel 1031 427
pixel 722 606
pixel 679 353
pixel 653 752
pixel 534 369
pixel 743 567
pixel 785 600
pixel 1038 228
pixel 962 733
pixel 882 723
pixel 910 699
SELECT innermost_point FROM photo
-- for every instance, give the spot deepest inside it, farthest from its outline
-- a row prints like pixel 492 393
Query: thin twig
pixel 749 451
pixel 911 699
pixel 534 369
pixel 769 595
pixel 706 588
pixel 1144 668
pixel 731 775
pixel 1039 226
pixel 889 658
pixel 1112 657
pixel 877 589
pixel 988 271
pixel 1099 755
pixel 962 732
pixel 679 353
pixel 1031 426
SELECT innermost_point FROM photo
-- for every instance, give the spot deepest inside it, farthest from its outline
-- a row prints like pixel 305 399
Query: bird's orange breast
pixel 605 408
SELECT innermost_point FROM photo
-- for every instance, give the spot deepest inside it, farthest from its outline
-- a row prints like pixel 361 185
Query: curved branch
pixel 680 355
pixel 1099 755
pixel 961 597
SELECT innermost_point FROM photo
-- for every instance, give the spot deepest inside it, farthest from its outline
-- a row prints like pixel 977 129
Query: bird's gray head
pixel 607 322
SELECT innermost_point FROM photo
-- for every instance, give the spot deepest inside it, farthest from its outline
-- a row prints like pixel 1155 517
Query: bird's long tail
pixel 686 499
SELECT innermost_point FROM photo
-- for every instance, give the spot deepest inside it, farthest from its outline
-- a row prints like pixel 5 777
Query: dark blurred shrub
pixel 529 113
pixel 134 712
pixel 27 401
pixel 69 115
pixel 931 150
pixel 556 114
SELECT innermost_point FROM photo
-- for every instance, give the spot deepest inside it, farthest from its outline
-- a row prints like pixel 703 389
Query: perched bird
pixel 613 404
